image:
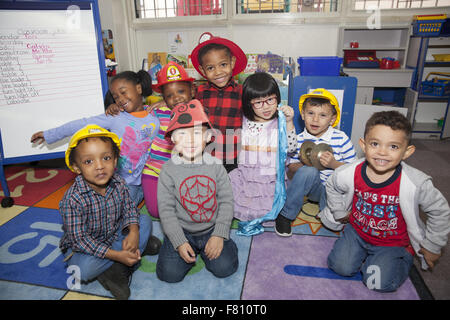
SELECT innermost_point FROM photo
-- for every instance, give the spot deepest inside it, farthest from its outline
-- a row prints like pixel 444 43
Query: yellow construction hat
pixel 324 94
pixel 91 130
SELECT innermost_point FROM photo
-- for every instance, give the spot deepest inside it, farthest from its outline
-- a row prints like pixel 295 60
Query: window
pixel 176 8
pixel 274 6
pixel 399 4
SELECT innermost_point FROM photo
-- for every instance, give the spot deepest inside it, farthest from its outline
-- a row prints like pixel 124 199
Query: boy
pixel 218 60
pixel 104 235
pixel 379 198
pixel 320 112
pixel 195 201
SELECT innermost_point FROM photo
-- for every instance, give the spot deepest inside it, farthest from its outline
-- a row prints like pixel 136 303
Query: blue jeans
pixel 383 269
pixel 90 266
pixel 172 268
pixel 136 194
pixel 306 182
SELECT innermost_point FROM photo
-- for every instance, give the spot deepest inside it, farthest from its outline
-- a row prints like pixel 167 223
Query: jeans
pixel 172 268
pixel 383 269
pixel 306 182
pixel 136 194
pixel 90 266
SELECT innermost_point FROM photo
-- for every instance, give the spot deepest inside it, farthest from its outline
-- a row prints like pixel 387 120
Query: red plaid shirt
pixel 224 109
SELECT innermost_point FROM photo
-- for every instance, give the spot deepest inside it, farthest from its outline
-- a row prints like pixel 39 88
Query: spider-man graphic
pixel 198 197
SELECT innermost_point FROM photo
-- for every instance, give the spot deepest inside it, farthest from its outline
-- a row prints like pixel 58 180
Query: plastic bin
pixel 428 25
pixel 436 87
pixel 319 66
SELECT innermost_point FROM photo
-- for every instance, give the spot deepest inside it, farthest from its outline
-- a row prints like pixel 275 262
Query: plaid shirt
pixel 91 221
pixel 224 109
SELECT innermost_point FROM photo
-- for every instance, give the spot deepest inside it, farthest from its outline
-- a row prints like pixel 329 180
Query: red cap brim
pixel 157 87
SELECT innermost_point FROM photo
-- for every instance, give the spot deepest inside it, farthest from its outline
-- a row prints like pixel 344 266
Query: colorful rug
pixel 270 267
pixel 295 268
pixel 27 185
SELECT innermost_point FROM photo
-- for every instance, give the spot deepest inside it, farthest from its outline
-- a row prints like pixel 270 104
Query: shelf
pixel 426 127
pixel 398 70
pixel 378 48
pixel 437 64
pixel 424 98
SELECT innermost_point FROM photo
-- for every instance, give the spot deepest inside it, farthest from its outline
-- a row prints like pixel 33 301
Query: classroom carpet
pixel 270 267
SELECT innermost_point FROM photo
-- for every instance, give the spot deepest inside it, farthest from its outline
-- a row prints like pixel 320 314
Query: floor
pixel 37 208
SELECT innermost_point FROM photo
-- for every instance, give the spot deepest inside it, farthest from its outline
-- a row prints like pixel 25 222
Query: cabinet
pixel 390 41
pixel 428 109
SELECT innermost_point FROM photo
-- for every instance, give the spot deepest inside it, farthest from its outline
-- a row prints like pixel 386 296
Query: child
pixel 254 180
pixel 195 201
pixel 379 197
pixel 104 235
pixel 219 60
pixel 176 87
pixel 135 127
pixel 320 112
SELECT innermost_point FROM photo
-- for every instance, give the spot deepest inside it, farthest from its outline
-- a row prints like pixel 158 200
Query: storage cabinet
pixel 428 107
pixel 390 41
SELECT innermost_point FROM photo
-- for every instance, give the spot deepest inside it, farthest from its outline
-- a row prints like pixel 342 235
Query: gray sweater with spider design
pixel 196 197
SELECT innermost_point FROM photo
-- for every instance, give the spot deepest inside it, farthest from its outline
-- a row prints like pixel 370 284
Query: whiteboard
pixel 49 75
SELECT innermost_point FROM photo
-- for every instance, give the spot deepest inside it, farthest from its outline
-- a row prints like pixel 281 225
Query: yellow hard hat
pixel 324 94
pixel 91 130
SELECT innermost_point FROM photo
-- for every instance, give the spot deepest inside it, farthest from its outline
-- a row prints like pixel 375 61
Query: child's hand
pixel 289 114
pixel 328 161
pixel 38 137
pixel 186 252
pixel 214 247
pixel 430 257
pixel 131 241
pixel 124 256
pixel 129 258
pixel 113 110
pixel 156 105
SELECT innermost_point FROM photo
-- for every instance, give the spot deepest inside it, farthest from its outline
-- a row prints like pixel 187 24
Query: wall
pixel 309 35
pixel 293 41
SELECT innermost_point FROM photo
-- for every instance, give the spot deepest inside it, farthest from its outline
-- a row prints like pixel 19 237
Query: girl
pixel 135 127
pixel 254 179
pixel 176 87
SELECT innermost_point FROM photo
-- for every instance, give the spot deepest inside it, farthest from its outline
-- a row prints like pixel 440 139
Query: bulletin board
pixel 344 88
pixel 52 71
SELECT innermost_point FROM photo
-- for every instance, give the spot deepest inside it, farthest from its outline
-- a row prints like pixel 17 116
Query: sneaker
pixel 116 280
pixel 283 226
pixel 152 247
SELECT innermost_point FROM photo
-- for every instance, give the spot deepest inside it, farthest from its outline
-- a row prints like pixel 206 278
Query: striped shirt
pixel 224 109
pixel 161 149
pixel 343 150
pixel 91 221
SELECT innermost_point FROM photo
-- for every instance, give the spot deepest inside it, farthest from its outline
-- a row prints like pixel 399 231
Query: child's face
pixel 127 95
pixel 95 160
pixel 177 92
pixel 384 148
pixel 190 142
pixel 264 108
pixel 217 66
pixel 318 118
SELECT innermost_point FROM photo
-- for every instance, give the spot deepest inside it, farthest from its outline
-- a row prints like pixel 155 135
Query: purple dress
pixel 253 181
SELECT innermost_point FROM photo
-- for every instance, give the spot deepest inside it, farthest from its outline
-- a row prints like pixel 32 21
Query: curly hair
pixel 393 119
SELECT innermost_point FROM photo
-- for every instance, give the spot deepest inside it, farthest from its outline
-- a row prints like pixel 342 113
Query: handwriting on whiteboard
pixel 36 62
